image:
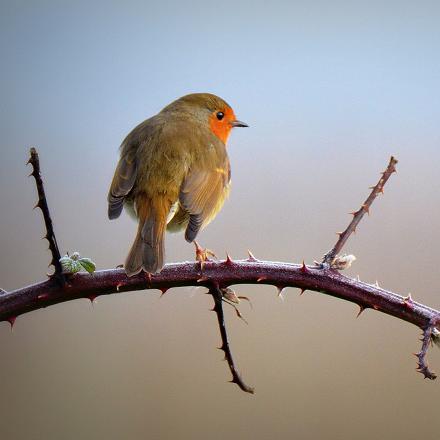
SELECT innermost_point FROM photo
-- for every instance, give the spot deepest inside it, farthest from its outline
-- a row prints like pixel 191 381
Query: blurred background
pixel 330 90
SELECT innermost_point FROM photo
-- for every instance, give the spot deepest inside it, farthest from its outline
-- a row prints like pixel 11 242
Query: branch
pixel 217 294
pixel 330 256
pixel 219 275
pixel 222 273
pixel 42 204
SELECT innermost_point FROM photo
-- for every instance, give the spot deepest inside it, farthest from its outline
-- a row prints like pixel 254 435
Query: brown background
pixel 329 95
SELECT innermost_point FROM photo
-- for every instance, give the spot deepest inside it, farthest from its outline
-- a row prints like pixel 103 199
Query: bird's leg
pixel 202 254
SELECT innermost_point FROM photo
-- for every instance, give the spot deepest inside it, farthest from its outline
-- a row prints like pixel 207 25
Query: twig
pixel 218 309
pixel 42 204
pixel 357 215
pixel 422 365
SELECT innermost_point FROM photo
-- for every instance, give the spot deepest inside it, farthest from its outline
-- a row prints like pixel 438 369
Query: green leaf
pixel 87 264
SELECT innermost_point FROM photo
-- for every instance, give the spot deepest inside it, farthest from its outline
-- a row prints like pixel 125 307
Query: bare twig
pixel 422 365
pixel 42 204
pixel 217 295
pixel 357 215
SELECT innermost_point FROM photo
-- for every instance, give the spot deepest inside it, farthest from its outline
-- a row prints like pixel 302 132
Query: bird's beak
pixel 238 124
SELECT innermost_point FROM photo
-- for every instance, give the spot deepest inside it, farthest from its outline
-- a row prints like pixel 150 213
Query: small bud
pixel 343 262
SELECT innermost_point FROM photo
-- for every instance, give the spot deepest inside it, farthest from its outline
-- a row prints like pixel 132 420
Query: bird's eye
pixel 220 115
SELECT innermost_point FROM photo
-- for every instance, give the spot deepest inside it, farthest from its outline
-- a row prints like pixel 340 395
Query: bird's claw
pixel 202 254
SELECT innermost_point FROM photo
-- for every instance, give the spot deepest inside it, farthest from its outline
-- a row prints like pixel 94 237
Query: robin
pixel 173 174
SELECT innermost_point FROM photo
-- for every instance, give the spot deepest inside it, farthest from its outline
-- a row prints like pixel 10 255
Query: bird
pixel 173 174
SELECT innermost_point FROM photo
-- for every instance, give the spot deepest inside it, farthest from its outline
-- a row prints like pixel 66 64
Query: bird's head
pixel 210 110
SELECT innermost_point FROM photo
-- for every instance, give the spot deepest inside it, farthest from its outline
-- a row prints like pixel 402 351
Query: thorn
pixel 339 233
pixel 358 279
pixel 353 213
pixel 408 302
pixel 408 298
pixel 202 279
pixel 11 321
pixel 118 286
pixel 92 298
pixel 375 307
pixel 304 267
pixel 260 279
pixel 228 260
pixel 251 256
pixel 163 290
pixel 280 291
pixel 38 205
pixel 302 291
pixel 371 187
pixel 119 266
pixel 43 296
pixel 376 284
pixel 361 309
pixel 366 209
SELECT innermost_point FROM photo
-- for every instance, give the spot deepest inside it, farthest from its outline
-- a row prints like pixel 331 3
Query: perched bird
pixel 173 174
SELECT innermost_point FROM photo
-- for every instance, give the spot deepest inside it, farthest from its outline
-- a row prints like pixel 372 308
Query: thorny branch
pixel 217 295
pixel 42 204
pixel 217 276
pixel 357 215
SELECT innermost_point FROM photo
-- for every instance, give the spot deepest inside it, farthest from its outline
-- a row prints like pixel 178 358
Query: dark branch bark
pixel 217 295
pixel 224 273
pixel 42 204
pixel 357 215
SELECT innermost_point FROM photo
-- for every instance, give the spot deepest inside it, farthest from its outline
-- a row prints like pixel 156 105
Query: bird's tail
pixel 147 251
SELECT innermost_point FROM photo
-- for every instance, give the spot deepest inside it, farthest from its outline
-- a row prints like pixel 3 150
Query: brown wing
pixel 202 195
pixel 122 184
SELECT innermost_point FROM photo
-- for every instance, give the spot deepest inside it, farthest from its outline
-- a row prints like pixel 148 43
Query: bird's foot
pixel 202 254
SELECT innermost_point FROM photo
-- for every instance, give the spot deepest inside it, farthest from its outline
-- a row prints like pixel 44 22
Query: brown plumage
pixel 173 173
